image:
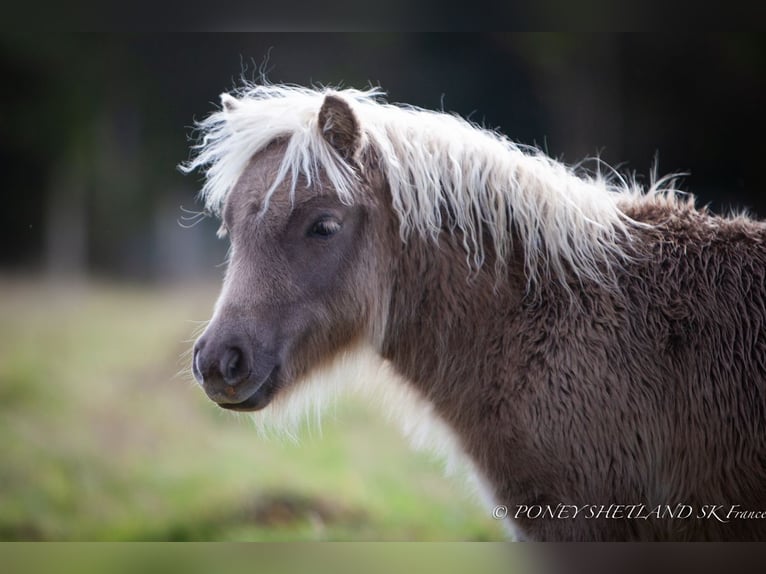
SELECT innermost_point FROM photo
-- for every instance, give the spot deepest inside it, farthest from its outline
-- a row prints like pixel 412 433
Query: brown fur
pixel 654 393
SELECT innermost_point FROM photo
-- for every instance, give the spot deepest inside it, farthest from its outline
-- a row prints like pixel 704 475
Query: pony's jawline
pixel 260 398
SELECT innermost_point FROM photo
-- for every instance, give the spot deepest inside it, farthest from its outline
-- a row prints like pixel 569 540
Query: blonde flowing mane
pixel 434 163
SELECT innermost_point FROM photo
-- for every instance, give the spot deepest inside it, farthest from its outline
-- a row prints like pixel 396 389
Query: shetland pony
pixel 594 352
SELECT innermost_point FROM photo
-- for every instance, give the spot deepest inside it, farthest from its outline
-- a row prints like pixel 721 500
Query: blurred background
pixel 106 272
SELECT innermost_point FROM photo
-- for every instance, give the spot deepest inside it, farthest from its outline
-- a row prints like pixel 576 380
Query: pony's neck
pixel 454 333
pixel 446 317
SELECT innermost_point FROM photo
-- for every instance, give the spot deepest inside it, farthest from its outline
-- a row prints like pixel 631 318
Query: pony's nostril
pixel 233 366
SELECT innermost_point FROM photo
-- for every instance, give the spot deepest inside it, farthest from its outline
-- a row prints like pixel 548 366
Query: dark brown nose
pixel 232 365
pixel 219 363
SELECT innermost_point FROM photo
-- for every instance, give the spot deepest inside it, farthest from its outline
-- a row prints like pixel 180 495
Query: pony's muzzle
pixel 223 368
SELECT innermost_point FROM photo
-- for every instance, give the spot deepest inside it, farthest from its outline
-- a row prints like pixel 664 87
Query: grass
pixel 103 436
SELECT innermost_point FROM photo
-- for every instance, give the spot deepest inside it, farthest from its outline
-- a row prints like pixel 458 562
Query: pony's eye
pixel 325 227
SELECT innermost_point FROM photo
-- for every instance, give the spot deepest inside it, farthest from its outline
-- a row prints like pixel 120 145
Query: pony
pixel 592 351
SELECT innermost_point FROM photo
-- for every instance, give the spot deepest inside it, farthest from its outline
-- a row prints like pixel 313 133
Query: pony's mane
pixel 434 163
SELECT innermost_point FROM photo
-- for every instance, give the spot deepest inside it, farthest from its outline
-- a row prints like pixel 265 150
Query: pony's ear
pixel 229 102
pixel 339 126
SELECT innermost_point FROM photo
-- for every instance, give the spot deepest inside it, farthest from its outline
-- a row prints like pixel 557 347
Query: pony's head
pixel 309 254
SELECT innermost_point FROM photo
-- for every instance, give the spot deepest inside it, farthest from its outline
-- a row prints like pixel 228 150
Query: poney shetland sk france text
pixel 720 512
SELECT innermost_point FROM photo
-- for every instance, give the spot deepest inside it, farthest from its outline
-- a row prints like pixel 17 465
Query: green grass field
pixel 105 436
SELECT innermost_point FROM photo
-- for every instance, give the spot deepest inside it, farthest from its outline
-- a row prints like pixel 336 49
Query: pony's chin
pixel 260 398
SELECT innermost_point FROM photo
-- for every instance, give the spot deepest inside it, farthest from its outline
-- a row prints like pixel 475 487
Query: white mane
pixel 431 161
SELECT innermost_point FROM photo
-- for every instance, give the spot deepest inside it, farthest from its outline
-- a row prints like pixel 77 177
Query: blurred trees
pixel 93 125
pixel 91 161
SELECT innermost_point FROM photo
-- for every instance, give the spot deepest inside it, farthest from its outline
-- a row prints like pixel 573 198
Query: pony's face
pixel 305 282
